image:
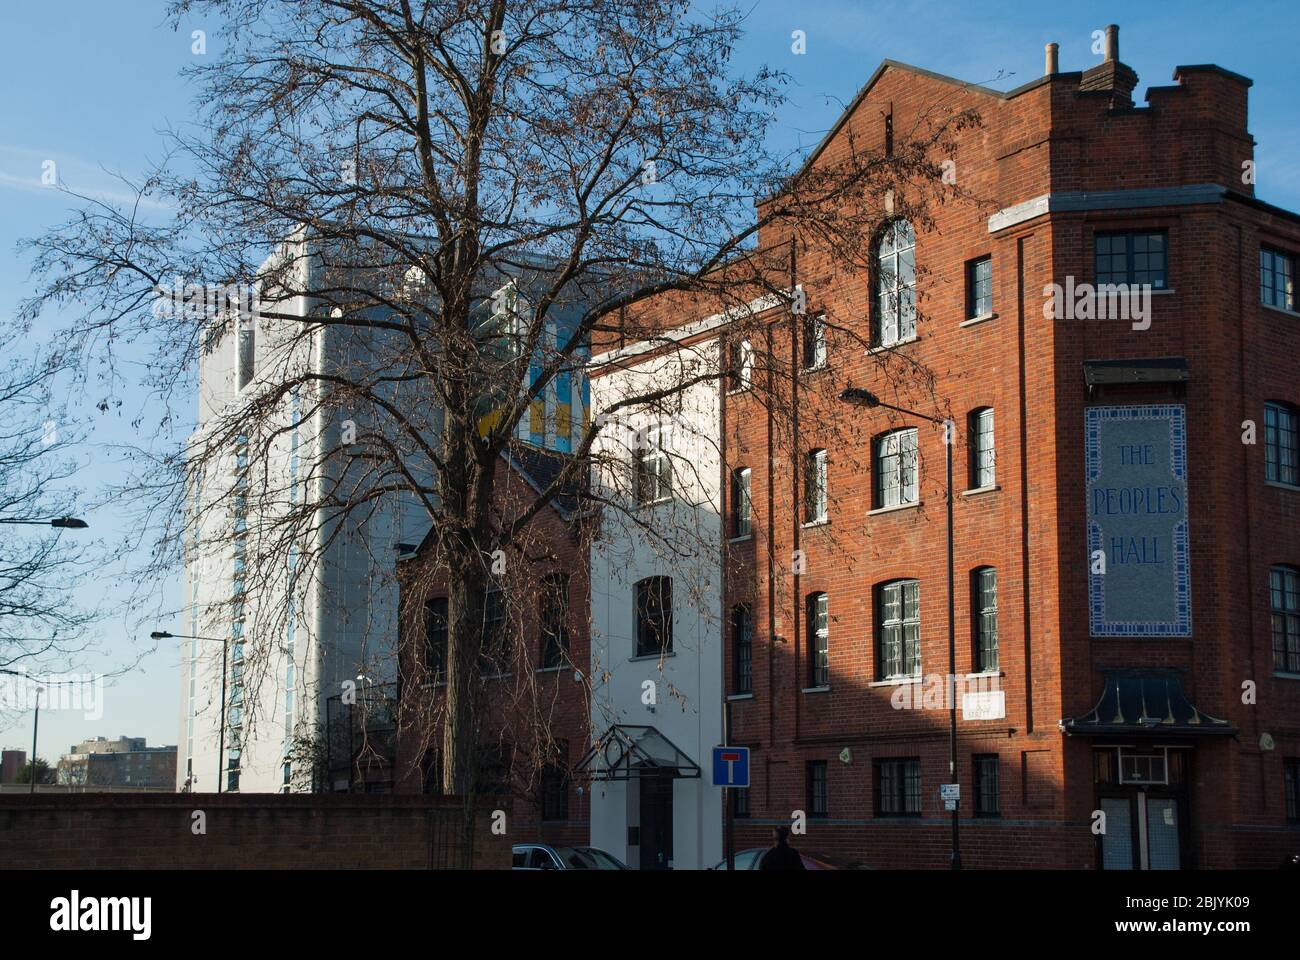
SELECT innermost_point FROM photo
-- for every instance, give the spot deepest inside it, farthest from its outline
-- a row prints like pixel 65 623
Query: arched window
pixel 654 616
pixel 819 656
pixel 898 629
pixel 983 472
pixel 894 464
pixel 742 638
pixel 984 615
pixel 895 319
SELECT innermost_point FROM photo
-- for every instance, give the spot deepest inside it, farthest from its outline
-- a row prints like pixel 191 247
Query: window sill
pixel 738 391
pixel 820 368
pixel 495 676
pixel 1283 675
pixel 985 673
pixel 895 507
pixel 550 669
pixel 825 688
pixel 813 524
pixel 976 491
pixel 1163 291
pixel 981 319
pixel 744 538
pixel 735 697
pixel 894 682
pixel 650 656
pixel 1293 314
pixel 654 503
pixel 1282 486
pixel 886 348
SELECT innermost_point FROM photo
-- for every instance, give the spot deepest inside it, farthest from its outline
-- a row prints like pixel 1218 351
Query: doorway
pixel 656 830
pixel 1143 794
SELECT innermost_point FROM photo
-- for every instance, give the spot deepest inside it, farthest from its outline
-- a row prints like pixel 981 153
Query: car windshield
pixel 603 860
pixel 585 858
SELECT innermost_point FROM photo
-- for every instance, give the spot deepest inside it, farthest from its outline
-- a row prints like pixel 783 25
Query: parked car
pixel 543 856
pixel 748 860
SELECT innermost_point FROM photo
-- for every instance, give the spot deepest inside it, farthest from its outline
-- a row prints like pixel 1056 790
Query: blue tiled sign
pixel 1136 463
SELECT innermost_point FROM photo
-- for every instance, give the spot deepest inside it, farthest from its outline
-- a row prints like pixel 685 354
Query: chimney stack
pixel 1052 59
pixel 1111 76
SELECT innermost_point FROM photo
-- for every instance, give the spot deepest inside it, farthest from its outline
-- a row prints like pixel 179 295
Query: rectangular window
pixel 654 616
pixel 895 467
pixel 654 472
pixel 819 640
pixel 898 606
pixel 979 287
pixel 247 340
pixel 1291 766
pixel 493 649
pixel 898 787
pixel 985 769
pixel 741 505
pixel 1134 257
pixel 1284 607
pixel 814 489
pixel 742 636
pixel 1276 278
pixel 982 458
pixel 984 594
pixel 555 620
pixel 435 626
pixel 740 802
pixel 740 365
pixel 818 789
pixel 814 341
pixel 555 793
pixel 1281 444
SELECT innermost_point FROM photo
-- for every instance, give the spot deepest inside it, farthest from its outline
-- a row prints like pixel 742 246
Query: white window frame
pixel 816 487
pixel 983 449
pixel 896 247
pixel 896 463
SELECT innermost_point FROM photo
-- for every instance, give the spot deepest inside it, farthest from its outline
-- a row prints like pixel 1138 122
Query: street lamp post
pixel 36 721
pixel 225 647
pixel 861 397
pixel 65 523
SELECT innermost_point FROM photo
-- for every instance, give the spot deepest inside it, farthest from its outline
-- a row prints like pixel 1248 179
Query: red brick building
pixel 1127 614
pixel 535 699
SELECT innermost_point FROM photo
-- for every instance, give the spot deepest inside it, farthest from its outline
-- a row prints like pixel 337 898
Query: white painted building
pixel 295 637
pixel 659 701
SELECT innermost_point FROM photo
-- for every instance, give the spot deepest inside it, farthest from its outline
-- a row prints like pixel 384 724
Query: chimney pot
pixel 1052 60
pixel 1112 42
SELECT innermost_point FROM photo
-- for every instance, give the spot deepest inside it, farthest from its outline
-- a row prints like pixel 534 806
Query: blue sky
pixel 89 85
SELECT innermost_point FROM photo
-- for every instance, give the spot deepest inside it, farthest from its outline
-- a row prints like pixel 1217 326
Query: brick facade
pixel 534 703
pixel 249 831
pixel 1175 165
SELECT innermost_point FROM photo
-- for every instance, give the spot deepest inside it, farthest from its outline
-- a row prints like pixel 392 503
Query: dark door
pixel 1145 830
pixel 656 821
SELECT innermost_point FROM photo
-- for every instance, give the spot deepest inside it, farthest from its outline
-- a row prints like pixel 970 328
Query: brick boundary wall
pixel 248 831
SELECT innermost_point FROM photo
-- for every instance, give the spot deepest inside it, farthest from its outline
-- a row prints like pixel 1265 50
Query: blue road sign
pixel 731 766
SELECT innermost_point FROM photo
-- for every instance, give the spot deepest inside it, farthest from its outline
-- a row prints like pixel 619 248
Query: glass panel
pixel 1162 833
pixel 1117 841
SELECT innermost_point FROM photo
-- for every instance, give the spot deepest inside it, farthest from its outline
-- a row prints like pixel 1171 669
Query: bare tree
pixel 41 627
pixel 446 204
